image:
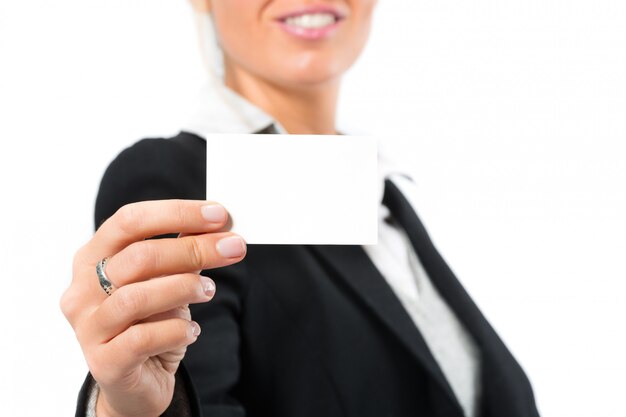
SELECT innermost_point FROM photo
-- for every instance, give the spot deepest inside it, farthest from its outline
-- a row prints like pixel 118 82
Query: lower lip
pixel 311 34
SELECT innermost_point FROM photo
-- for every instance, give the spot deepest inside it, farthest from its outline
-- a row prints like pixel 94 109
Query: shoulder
pixel 153 169
pixel 152 154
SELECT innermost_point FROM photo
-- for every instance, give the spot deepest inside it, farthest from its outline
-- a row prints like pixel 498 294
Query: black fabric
pixel 311 330
pixel 83 396
pixel 499 367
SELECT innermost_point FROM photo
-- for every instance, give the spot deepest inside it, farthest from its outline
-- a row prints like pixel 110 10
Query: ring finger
pixel 135 302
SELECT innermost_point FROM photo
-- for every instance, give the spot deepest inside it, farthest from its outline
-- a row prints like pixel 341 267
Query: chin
pixel 310 70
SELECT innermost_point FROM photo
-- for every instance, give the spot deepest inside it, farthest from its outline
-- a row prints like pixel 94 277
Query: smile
pixel 312 20
pixel 312 23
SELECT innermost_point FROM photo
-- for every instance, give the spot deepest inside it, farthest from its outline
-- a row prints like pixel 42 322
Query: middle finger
pixel 158 257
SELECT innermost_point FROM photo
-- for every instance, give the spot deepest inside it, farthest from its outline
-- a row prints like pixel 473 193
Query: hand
pixel 133 341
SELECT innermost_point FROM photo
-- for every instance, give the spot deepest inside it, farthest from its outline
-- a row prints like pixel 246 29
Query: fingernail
pixel 231 247
pixel 195 329
pixel 208 286
pixel 213 213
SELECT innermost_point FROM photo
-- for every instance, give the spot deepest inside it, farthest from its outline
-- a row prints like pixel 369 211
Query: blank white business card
pixel 296 189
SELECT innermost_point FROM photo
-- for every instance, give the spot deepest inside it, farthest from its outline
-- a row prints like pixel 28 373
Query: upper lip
pixel 311 10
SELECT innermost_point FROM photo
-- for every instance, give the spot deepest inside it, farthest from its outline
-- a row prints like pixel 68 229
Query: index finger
pixel 137 221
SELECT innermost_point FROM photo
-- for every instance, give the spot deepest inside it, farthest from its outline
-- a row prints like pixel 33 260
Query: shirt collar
pixel 218 109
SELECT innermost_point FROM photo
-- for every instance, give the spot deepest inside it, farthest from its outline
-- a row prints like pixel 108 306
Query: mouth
pixel 312 23
pixel 312 20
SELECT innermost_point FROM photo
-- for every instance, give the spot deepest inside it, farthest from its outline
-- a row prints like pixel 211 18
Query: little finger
pixel 133 347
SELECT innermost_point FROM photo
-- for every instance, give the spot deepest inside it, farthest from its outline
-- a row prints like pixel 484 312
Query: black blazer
pixel 306 330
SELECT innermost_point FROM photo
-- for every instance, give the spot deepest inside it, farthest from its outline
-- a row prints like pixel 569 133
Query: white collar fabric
pixel 218 109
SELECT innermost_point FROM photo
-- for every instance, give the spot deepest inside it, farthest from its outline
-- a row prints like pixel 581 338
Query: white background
pixel 512 115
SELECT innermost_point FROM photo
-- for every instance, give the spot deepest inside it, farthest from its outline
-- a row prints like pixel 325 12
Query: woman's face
pixel 291 43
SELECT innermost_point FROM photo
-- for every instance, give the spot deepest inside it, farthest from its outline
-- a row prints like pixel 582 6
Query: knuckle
pixel 181 213
pixel 79 257
pixel 138 341
pixel 128 218
pixel 70 304
pixel 129 301
pixel 187 286
pixel 179 331
pixel 139 255
pixel 197 253
pixel 183 330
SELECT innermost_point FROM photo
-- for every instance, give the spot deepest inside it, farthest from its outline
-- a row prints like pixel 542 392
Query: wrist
pixel 104 409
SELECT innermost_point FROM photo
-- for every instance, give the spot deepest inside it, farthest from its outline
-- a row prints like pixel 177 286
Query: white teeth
pixel 311 21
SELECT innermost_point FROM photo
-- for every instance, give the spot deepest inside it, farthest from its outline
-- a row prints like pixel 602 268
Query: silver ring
pixel 102 277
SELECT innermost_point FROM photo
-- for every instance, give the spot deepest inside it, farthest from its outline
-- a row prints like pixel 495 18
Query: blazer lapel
pixel 505 388
pixel 354 268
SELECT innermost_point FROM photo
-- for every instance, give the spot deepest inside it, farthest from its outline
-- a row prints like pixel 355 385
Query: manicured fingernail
pixel 231 247
pixel 213 213
pixel 207 285
pixel 195 329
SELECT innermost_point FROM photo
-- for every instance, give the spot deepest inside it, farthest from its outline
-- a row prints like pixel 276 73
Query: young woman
pixel 298 330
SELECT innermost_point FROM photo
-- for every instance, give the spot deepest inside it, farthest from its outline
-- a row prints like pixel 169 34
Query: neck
pixel 306 110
